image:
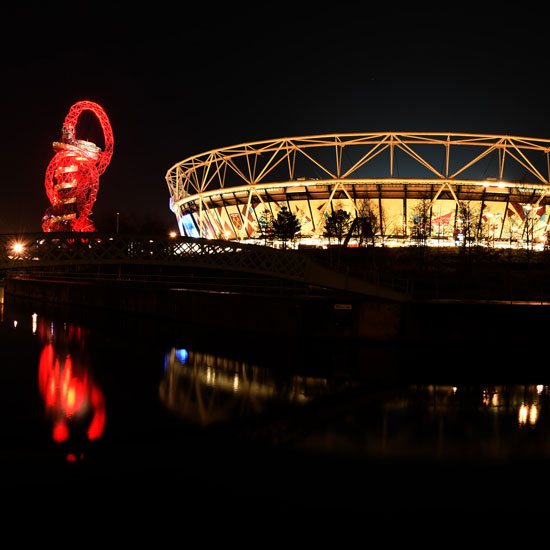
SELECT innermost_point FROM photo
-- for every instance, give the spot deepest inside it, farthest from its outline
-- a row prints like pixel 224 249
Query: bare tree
pixel 368 222
pixel 468 222
pixel 474 225
pixel 265 226
pixel 420 221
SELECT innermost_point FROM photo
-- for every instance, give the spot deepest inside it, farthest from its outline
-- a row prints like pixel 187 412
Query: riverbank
pixel 281 315
pixel 275 312
pixel 475 294
pixel 449 273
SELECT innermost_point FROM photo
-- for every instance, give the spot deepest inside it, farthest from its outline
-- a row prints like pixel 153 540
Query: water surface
pixel 108 401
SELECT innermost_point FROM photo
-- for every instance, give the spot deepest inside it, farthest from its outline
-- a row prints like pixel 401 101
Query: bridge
pixel 36 251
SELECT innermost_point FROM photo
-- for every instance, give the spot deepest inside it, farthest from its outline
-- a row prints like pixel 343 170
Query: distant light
pixel 182 355
pixel 528 415
pixel 522 414
pixel 173 234
pixel 60 431
pixel 18 248
pixel 533 414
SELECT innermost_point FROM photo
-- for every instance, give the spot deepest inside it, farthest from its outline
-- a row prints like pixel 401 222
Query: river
pixel 110 403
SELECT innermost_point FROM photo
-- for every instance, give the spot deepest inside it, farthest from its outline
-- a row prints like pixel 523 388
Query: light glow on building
pixel 223 194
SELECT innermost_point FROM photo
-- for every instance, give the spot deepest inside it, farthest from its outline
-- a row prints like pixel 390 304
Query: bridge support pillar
pixel 380 320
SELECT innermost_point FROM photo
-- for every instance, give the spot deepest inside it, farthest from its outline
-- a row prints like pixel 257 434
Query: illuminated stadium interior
pixel 502 182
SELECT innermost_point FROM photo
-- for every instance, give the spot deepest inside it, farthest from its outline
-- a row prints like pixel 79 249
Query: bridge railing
pixel 43 249
pixel 40 250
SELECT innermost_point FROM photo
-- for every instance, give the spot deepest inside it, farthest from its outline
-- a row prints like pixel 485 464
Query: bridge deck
pixel 41 250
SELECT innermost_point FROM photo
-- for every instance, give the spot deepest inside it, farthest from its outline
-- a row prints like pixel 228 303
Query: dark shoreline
pixel 478 295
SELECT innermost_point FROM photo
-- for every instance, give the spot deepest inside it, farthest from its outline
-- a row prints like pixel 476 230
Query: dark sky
pixel 178 81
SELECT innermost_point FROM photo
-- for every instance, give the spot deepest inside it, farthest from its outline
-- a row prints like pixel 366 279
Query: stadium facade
pixel 501 182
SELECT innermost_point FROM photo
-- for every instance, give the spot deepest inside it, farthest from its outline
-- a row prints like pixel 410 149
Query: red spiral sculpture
pixel 72 177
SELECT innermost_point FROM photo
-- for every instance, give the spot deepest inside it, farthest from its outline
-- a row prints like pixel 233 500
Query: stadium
pixel 448 188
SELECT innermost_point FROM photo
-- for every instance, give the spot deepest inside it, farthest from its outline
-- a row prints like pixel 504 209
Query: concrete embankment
pixel 324 314
pixel 298 314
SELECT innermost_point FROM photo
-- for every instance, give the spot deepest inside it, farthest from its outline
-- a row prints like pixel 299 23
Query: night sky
pixel 180 81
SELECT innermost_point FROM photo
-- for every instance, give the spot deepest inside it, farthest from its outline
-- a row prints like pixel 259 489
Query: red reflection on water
pixel 70 394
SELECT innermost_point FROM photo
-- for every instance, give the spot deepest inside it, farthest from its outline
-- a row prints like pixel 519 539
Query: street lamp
pixel 18 248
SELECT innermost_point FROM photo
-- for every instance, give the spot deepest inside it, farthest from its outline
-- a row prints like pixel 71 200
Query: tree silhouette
pixel 285 226
pixel 421 226
pixel 367 222
pixel 337 225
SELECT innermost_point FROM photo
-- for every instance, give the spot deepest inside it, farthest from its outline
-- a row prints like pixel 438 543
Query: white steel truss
pixel 441 162
pixel 287 160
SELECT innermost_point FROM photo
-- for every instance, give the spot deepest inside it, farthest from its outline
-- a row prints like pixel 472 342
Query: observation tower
pixel 457 186
pixel 72 176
